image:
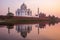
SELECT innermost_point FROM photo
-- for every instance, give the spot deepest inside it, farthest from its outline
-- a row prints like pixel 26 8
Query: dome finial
pixel 23 6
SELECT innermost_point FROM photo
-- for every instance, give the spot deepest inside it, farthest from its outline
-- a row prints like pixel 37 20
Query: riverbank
pixel 16 19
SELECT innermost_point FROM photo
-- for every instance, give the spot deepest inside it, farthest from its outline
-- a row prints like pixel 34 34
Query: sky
pixel 49 7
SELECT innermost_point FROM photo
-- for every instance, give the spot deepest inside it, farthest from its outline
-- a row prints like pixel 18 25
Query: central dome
pixel 23 6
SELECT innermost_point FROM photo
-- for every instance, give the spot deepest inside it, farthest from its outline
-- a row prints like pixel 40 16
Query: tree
pixel 10 15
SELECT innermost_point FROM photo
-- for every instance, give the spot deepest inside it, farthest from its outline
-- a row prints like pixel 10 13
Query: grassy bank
pixel 21 21
pixel 12 20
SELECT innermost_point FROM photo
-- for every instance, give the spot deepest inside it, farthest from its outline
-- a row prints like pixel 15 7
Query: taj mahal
pixel 23 11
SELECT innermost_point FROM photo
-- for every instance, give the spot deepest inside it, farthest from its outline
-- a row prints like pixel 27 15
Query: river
pixel 37 31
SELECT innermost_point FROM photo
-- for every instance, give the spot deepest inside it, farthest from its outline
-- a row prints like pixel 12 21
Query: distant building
pixel 9 13
pixel 42 15
pixel 23 11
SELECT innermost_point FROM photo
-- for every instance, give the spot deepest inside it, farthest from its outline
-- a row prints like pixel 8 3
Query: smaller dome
pixel 23 6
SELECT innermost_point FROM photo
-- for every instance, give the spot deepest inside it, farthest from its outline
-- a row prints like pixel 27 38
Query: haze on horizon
pixel 51 7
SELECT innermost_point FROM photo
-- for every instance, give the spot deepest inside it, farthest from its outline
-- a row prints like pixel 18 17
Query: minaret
pixel 8 31
pixel 38 15
pixel 38 12
pixel 8 10
pixel 38 30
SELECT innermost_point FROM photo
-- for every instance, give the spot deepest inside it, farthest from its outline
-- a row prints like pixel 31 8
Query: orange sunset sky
pixel 51 7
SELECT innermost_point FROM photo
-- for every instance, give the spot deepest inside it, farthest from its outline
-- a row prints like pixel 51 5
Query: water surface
pixel 39 31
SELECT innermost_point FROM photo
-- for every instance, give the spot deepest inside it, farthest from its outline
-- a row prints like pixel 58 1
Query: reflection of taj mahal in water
pixel 24 29
pixel 27 28
pixel 23 11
